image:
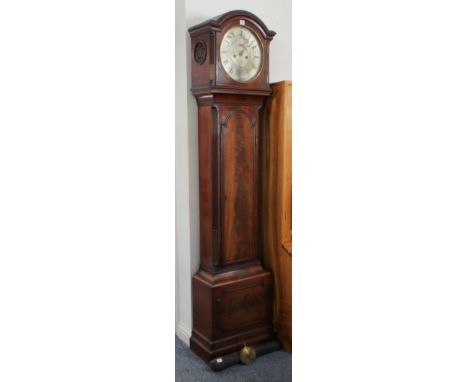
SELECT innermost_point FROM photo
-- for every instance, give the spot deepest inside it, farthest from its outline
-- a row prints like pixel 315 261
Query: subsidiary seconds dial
pixel 241 54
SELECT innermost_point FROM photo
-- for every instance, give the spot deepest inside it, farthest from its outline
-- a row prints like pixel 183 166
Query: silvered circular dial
pixel 241 54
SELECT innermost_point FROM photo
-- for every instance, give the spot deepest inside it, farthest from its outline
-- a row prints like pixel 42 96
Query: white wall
pixel 183 210
pixel 277 16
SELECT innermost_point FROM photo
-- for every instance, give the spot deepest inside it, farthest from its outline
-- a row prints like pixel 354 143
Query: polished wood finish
pixel 210 77
pixel 238 140
pixel 276 208
pixel 232 293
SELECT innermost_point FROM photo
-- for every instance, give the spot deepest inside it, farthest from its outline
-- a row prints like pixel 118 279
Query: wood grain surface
pixel 232 293
pixel 239 193
pixel 276 205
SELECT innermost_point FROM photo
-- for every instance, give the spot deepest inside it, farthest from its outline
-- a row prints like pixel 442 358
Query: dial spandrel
pixel 241 54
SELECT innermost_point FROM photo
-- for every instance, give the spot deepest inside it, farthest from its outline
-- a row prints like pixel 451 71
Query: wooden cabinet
pixel 276 204
pixel 232 293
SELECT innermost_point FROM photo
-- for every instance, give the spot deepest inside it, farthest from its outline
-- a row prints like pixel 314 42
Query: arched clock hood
pixel 208 75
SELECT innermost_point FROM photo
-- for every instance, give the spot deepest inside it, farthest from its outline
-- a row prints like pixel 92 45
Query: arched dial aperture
pixel 241 54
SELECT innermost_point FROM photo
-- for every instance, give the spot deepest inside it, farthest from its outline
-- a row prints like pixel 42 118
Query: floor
pixel 272 367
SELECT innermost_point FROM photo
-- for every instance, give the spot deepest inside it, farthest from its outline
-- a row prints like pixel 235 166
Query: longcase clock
pixel 232 291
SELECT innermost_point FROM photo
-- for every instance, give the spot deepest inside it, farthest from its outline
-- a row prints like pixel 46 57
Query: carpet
pixel 272 367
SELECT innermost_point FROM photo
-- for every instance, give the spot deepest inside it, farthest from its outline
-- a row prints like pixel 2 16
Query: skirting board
pixel 184 333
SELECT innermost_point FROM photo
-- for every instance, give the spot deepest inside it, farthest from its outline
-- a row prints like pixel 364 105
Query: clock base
pixel 230 310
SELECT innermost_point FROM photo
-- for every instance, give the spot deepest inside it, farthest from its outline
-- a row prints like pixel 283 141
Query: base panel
pixel 232 313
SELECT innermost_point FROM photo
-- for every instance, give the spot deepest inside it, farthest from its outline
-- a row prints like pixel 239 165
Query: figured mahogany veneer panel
pixel 242 306
pixel 238 186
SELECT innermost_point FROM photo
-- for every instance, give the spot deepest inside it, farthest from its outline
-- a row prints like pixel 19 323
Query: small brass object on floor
pixel 247 355
pixel 223 362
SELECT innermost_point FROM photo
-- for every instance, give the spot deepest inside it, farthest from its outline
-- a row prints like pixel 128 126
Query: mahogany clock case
pixel 232 294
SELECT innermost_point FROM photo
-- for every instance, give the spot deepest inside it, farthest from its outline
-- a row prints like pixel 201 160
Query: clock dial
pixel 241 54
